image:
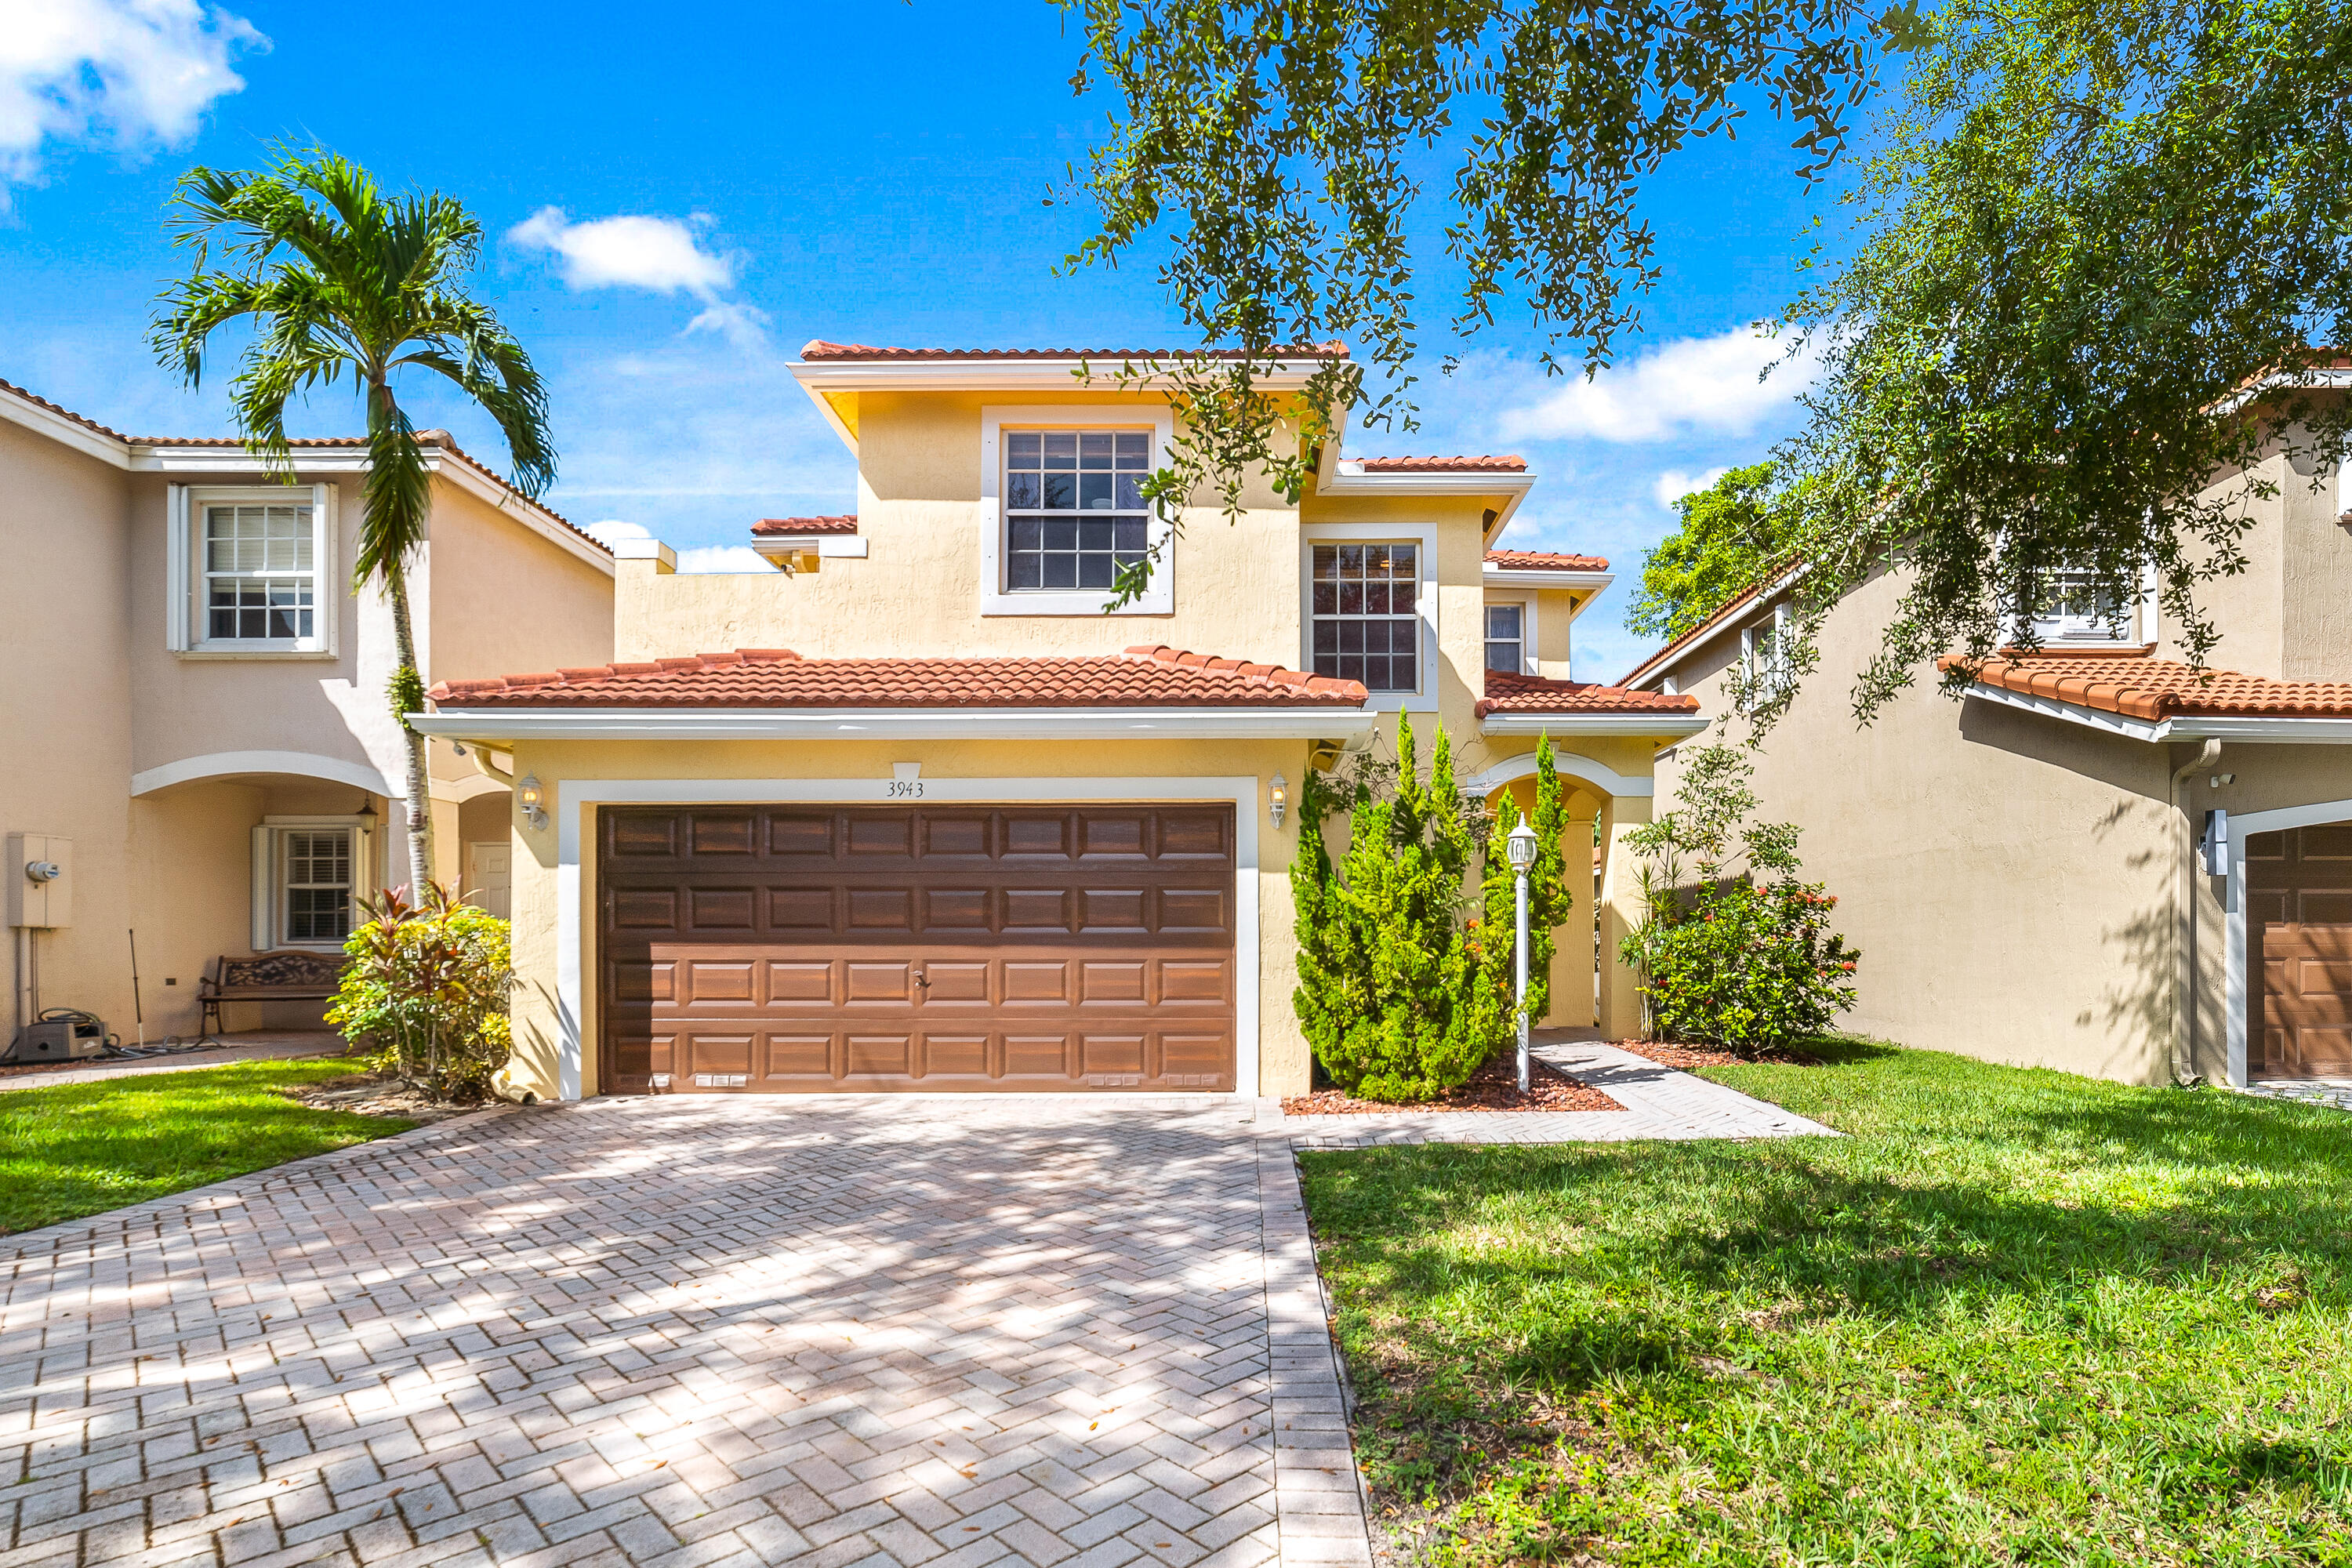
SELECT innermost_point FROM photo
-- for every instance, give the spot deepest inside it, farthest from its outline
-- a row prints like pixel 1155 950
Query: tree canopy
pixel 2096 230
pixel 2088 229
pixel 1729 535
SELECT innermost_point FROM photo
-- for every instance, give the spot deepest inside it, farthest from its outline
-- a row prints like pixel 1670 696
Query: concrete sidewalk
pixel 259 1046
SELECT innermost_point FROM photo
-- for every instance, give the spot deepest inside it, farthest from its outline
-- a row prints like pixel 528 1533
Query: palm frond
pixel 396 493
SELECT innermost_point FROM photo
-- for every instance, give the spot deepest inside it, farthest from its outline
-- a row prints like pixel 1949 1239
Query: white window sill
pixel 214 651
pixel 1089 602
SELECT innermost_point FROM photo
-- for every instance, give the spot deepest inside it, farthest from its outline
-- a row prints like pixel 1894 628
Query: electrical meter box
pixel 39 875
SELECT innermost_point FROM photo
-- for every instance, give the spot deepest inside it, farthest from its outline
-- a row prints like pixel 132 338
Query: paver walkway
pixel 683 1332
pixel 1659 1102
pixel 2335 1091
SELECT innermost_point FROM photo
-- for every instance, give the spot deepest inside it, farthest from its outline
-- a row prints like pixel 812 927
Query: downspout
pixel 2184 914
pixel 491 770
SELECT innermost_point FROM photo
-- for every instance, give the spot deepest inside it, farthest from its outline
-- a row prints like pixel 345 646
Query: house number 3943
pixel 905 789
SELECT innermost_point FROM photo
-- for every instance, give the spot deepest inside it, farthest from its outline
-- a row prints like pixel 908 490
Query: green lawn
pixel 77 1149
pixel 2015 1317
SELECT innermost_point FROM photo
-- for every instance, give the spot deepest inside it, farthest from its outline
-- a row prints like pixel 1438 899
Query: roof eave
pixel 1300 721
pixel 1664 726
pixel 1512 486
pixel 2269 729
pixel 1532 577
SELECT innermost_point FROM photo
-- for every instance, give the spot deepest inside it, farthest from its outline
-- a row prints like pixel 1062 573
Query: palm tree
pixel 341 280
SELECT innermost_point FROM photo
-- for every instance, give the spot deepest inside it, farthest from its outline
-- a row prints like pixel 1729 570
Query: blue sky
pixel 680 200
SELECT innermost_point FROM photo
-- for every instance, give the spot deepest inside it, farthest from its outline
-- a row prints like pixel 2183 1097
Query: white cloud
pixel 1689 383
pixel 1674 484
pixel 144 70
pixel 723 558
pixel 740 324
pixel 659 253
pixel 615 531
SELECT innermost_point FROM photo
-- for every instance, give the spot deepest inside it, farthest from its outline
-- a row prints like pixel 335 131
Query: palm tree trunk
pixel 419 804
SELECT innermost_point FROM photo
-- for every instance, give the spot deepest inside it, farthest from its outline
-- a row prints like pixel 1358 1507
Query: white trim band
pixel 1676 725
pixel 232 765
pixel 895 723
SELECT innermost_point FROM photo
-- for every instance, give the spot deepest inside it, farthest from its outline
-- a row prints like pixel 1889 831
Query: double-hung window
pixel 260 573
pixel 1506 640
pixel 252 573
pixel 1366 613
pixel 1074 506
pixel 2074 609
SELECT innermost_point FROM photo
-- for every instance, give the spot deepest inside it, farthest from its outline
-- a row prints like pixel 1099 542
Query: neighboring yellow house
pixel 193 701
pixel 913 812
pixel 2100 860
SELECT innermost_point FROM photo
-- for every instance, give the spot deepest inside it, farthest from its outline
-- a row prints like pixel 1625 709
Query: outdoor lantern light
pixel 1519 844
pixel 526 796
pixel 1277 797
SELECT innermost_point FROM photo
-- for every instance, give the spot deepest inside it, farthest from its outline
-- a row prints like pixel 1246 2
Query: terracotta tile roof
pixel 1509 693
pixel 818 350
pixel 1543 561
pixel 779 678
pixel 836 524
pixel 440 438
pixel 82 419
pixel 2137 685
pixel 1483 465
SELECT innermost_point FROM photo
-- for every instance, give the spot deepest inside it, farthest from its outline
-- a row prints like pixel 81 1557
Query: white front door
pixel 487 874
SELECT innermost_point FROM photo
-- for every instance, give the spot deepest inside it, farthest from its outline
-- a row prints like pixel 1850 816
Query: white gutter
pixel 1348 479
pixel 1494 576
pixel 2279 731
pixel 1676 724
pixel 781 547
pixel 505 724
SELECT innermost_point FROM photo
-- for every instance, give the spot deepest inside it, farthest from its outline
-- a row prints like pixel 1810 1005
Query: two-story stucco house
pixel 916 812
pixel 194 700
pixel 2099 859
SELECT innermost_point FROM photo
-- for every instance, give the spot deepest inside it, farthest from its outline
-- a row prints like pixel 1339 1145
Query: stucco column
pixel 1572 1001
pixel 1620 911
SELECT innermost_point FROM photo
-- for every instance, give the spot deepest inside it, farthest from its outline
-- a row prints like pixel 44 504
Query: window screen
pixel 1074 506
pixel 1366 625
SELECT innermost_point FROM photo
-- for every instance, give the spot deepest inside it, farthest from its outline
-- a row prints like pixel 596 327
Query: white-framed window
pixel 1371 607
pixel 252 570
pixel 1510 631
pixel 1063 509
pixel 2074 609
pixel 1764 649
pixel 309 874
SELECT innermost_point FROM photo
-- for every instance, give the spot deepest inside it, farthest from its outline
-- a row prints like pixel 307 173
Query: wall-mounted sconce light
pixel 2218 779
pixel 1278 798
pixel 526 796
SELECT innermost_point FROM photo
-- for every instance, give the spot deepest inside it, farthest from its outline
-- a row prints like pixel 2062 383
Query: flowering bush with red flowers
pixel 1734 950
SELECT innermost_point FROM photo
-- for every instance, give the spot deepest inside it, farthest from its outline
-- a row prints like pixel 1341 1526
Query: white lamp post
pixel 1520 846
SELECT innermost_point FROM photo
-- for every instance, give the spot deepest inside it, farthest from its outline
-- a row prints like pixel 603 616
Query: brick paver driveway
pixel 692 1331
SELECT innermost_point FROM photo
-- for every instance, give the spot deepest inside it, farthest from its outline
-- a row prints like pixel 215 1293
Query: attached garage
pixel 792 949
pixel 2299 931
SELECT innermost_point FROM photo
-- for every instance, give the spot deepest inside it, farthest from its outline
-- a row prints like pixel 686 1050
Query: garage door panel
pixel 2299 926
pixel 794 949
pixel 882 909
pixel 954 911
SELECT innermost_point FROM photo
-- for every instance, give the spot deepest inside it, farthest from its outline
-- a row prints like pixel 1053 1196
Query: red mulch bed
pixel 1494 1087
pixel 1689 1058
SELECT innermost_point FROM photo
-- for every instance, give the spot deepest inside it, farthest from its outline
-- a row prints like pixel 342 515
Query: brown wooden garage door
pixel 2299 927
pixel 797 948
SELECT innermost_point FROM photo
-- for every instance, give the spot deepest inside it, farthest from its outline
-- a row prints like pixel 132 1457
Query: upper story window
pixel 1074 508
pixel 1764 650
pixel 1506 638
pixel 2074 609
pixel 1367 623
pixel 260 574
pixel 252 572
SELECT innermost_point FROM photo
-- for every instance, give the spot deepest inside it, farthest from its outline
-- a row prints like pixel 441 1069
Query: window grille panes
pixel 259 575
pixel 1366 625
pixel 2073 605
pixel 318 884
pixel 1505 641
pixel 1074 506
